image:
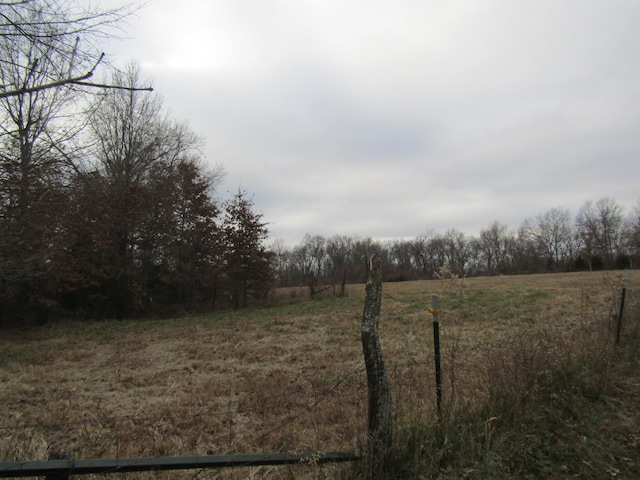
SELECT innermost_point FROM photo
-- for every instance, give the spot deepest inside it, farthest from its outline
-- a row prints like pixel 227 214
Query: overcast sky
pixel 387 119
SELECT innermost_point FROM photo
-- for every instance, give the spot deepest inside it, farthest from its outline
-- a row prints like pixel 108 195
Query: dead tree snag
pixel 378 383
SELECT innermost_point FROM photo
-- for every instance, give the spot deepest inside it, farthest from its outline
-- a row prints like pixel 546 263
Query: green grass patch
pixel 32 353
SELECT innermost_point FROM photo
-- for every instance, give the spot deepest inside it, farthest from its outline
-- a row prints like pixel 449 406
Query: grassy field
pixel 291 378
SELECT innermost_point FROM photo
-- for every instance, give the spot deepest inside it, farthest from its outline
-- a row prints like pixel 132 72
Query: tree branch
pixel 112 87
pixel 71 81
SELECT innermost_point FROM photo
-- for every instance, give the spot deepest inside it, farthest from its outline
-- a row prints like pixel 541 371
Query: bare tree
pixel 303 263
pixel 419 253
pixel 50 44
pixel 281 261
pixel 600 227
pixel 552 233
pixel 632 233
pixel 44 44
pixel 134 146
pixel 131 132
pixel 494 246
pixel 401 258
pixel 458 251
pixel 339 250
pixel 315 245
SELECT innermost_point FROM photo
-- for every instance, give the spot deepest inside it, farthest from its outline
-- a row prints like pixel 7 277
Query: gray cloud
pixel 386 119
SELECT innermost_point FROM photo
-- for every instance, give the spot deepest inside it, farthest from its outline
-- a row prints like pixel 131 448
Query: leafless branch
pixel 113 87
pixel 80 80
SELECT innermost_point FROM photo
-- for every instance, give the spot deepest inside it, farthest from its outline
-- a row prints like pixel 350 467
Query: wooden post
pixel 380 430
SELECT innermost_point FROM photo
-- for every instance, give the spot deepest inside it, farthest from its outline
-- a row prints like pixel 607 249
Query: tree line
pixel 599 236
pixel 107 208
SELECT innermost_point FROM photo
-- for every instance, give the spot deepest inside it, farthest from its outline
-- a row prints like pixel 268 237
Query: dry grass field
pixel 285 378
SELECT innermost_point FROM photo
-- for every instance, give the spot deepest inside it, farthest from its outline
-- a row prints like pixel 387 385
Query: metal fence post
pixel 434 310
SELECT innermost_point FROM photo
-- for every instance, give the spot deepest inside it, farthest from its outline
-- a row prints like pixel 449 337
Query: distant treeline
pixel 599 237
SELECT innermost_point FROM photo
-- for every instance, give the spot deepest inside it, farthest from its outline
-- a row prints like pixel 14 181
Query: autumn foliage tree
pixel 39 45
pixel 106 207
pixel 145 227
pixel 183 241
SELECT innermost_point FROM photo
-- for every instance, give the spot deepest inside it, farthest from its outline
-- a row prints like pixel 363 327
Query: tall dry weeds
pixel 539 404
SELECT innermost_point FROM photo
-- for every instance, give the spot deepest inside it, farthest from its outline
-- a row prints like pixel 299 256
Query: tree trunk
pixel 344 283
pixel 378 384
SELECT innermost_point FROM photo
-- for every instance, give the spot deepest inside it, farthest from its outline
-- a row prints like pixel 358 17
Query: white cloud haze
pixel 386 119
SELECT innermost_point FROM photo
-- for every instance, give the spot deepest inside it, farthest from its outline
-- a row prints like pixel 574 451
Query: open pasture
pixel 284 378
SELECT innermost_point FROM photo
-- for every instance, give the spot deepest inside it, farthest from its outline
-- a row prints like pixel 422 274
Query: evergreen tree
pixel 248 266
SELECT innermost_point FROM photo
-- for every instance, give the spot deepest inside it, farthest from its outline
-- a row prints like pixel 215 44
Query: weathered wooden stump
pixel 380 428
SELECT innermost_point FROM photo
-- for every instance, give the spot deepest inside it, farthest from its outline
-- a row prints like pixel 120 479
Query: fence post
pixel 58 476
pixel 434 310
pixel 380 428
pixel 624 291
